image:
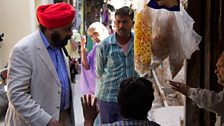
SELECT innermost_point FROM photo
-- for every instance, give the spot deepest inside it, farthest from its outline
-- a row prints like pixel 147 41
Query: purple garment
pixel 88 77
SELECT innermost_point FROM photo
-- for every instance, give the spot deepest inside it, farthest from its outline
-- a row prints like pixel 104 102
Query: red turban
pixel 55 15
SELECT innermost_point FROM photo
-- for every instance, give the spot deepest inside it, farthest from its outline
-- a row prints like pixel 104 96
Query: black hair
pixel 135 98
pixel 125 11
pixel 42 28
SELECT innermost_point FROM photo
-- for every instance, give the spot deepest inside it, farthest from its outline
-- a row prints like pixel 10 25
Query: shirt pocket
pixel 115 61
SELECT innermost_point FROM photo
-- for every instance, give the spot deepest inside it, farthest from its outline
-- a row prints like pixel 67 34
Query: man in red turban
pixel 39 87
pixel 56 18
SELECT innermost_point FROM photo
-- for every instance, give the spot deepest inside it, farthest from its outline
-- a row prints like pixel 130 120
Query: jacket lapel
pixel 67 64
pixel 45 57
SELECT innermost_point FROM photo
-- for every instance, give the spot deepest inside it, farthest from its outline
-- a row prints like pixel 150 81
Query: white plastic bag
pixel 142 40
pixel 173 36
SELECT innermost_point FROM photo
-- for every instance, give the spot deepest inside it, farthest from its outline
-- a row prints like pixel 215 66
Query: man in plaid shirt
pixel 135 99
pixel 115 62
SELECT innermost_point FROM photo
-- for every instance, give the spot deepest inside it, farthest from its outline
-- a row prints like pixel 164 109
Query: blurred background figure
pixel 110 29
pixel 73 47
pixel 73 50
pixel 3 95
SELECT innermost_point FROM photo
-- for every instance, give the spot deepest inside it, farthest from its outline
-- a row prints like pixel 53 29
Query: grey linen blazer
pixel 34 90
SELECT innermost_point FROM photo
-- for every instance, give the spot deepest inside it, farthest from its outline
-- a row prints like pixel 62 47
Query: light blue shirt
pixel 60 66
pixel 113 65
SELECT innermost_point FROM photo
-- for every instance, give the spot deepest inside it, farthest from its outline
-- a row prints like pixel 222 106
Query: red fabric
pixel 55 15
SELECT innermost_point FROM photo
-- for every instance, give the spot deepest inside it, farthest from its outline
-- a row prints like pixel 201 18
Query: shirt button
pixel 59 92
pixel 57 107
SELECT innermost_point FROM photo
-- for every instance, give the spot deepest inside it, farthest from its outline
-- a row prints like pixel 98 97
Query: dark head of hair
pixel 42 28
pixel 135 98
pixel 222 54
pixel 125 11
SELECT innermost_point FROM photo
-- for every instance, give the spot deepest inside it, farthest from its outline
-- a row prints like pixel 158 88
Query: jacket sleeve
pixel 207 99
pixel 19 81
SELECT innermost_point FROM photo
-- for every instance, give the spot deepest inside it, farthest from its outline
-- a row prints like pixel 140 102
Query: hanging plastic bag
pixel 189 38
pixel 173 36
pixel 184 41
pixel 142 39
pixel 162 24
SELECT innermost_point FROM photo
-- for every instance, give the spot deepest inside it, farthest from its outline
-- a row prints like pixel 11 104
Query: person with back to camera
pixel 135 98
pixel 39 89
pixel 115 62
pixel 209 100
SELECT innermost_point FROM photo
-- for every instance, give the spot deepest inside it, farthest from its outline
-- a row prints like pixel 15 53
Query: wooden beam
pixel 200 72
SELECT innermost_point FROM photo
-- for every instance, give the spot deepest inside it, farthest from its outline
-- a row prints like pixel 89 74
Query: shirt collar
pixel 114 40
pixel 46 43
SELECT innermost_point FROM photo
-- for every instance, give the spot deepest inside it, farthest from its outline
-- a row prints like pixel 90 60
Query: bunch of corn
pixel 142 42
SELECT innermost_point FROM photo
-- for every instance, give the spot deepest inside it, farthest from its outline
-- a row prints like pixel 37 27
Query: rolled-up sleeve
pixel 207 99
pixel 100 61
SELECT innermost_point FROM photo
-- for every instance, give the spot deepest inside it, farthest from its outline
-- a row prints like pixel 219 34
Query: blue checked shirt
pixel 60 67
pixel 133 123
pixel 112 66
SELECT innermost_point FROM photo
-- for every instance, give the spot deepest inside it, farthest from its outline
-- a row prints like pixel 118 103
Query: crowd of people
pixel 39 79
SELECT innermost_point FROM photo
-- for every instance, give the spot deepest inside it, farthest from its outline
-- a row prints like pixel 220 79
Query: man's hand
pixel 53 122
pixel 90 110
pixel 180 87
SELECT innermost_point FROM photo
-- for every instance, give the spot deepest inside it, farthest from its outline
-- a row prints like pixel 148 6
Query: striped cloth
pixel 133 123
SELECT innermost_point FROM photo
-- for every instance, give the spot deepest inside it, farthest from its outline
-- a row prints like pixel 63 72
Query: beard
pixel 57 41
pixel 221 81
